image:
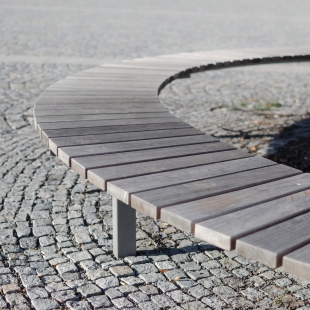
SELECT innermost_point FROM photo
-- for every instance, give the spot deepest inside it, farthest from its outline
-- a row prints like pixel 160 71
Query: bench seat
pixel 109 126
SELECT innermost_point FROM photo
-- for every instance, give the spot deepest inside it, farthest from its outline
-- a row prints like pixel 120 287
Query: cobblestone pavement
pixel 55 227
pixel 258 111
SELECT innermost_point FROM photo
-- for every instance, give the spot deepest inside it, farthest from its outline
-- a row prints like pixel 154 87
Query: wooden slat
pixel 101 176
pixel 112 122
pixel 223 231
pixel 101 94
pixel 67 153
pixel 91 111
pixel 151 202
pixel 186 215
pixel 51 101
pixel 52 133
pixel 99 116
pixel 82 164
pixel 54 143
pixel 123 189
pixel 269 245
pixel 57 104
pixel 298 262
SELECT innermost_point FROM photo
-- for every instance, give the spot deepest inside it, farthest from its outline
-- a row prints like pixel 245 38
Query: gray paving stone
pixel 241 272
pixel 56 287
pixel 196 275
pixel 95 274
pixel 166 286
pixel 221 273
pixel 64 296
pixel 41 231
pixel 22 307
pixel 165 265
pixel 149 305
pixel 213 302
pixel 111 263
pixel 283 282
pixel 180 297
pixel 163 301
pixel 79 256
pixel 100 301
pixel 138 297
pixel 224 292
pixel 185 283
pixel 136 259
pixel 149 278
pixel 149 289
pixel 121 271
pixel 46 241
pixel 253 294
pixel 89 265
pixel 127 289
pixel 28 243
pixel 15 299
pixel 113 293
pixel 198 292
pixel 303 294
pixel 239 302
pixel 272 291
pixel 51 279
pixel 89 290
pixel 4 270
pixel 78 305
pixel 144 268
pixel 30 281
pixel 175 274
pixel 10 288
pixel 191 266
pixel 108 282
pixel 66 267
pixel 180 258
pixel 122 303
pixel 158 257
pixel 103 258
pixel 135 281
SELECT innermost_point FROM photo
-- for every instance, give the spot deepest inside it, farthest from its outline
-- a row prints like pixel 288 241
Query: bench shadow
pixel 296 152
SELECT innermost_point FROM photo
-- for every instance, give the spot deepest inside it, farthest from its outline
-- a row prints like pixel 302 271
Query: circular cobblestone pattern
pixel 55 227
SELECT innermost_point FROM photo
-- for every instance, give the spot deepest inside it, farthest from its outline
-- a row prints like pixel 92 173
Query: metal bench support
pixel 124 229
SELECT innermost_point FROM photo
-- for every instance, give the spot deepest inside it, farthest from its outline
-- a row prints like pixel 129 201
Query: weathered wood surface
pixel 55 143
pixel 100 116
pixel 186 215
pixel 90 111
pixel 82 164
pixel 152 201
pixel 269 245
pixel 108 123
pixel 66 153
pixel 123 189
pixel 101 176
pixel 298 262
pixel 52 133
pixel 223 231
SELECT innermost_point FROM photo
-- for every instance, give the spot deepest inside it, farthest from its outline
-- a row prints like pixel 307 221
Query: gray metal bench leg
pixel 124 229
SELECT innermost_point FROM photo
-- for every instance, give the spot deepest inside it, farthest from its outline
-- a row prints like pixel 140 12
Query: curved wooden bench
pixel 108 125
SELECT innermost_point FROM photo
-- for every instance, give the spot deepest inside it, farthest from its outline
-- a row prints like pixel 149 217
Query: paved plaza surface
pixel 56 228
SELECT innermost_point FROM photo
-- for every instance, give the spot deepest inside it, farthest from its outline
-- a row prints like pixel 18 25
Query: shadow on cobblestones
pixel 296 152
